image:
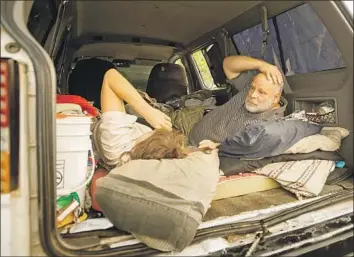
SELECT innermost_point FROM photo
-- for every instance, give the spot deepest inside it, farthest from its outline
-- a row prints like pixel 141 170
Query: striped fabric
pixel 304 178
pixel 226 120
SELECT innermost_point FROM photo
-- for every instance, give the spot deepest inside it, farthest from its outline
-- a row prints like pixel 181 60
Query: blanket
pixel 303 178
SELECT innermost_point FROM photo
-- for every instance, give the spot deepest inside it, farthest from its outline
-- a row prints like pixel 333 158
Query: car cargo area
pixel 282 182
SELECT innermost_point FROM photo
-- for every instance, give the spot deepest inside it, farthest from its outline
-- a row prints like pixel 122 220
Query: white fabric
pixel 68 108
pixel 303 178
pixel 329 139
pixel 117 133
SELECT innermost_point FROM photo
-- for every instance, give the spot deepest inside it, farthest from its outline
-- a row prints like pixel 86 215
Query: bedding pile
pixel 296 153
pixel 162 202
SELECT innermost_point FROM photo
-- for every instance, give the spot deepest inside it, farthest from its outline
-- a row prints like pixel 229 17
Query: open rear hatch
pixel 242 216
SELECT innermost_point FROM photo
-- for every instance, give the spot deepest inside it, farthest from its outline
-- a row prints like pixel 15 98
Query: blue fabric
pixel 266 139
pixel 340 164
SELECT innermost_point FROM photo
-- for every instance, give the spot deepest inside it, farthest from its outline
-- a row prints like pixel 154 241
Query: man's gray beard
pixel 259 108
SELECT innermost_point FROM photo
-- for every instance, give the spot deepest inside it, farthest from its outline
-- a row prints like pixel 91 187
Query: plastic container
pixel 73 146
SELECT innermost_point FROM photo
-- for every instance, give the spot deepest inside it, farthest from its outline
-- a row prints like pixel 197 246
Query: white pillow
pixel 160 202
pixel 328 140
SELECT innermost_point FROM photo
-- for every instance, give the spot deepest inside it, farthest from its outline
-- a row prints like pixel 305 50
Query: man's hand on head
pixel 272 72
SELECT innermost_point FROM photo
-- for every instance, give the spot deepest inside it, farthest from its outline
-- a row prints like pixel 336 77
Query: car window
pixel 137 75
pixel 300 40
pixel 203 70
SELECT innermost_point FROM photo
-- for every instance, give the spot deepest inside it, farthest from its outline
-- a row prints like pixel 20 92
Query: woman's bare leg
pixel 116 90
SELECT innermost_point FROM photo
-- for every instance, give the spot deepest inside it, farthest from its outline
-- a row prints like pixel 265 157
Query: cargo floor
pixel 224 207
pixel 261 200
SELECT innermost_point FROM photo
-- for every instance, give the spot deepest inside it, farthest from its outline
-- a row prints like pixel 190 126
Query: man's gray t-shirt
pixel 231 117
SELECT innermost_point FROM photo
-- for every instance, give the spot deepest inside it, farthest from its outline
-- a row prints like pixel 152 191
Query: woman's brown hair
pixel 162 144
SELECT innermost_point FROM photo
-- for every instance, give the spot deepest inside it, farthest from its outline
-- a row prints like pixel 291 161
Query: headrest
pixel 167 81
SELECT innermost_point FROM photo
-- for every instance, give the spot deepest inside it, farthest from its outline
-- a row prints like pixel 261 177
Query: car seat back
pixel 86 79
pixel 167 81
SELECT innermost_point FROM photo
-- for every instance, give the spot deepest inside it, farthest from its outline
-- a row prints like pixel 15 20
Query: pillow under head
pixel 329 140
pixel 161 202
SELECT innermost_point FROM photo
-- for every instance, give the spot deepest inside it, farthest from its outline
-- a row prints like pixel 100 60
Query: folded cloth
pixel 267 139
pixel 303 178
pixel 75 99
pixel 329 139
pixel 232 166
pixel 74 109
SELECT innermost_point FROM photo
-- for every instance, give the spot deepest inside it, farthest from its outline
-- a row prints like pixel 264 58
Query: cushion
pixel 329 139
pixel 161 202
pixel 243 184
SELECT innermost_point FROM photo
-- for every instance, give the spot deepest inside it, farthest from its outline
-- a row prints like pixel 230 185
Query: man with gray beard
pixel 260 85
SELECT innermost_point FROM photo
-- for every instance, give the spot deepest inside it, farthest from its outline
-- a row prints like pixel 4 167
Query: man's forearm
pixel 234 65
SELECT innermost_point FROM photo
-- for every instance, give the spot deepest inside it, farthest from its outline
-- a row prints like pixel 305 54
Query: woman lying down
pixel 161 195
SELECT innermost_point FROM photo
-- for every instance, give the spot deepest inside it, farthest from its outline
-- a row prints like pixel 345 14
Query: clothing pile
pixel 298 154
pixel 164 205
pixel 184 112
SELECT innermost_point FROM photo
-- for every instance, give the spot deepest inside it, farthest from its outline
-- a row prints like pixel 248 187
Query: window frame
pixel 185 65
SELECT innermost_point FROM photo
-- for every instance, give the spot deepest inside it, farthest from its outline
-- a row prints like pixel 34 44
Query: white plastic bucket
pixel 73 145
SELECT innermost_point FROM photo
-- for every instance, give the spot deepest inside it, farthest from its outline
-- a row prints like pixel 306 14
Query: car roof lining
pixel 126 51
pixel 166 20
pixel 201 29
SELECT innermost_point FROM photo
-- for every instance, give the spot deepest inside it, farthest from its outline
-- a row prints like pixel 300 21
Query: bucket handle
pixel 69 191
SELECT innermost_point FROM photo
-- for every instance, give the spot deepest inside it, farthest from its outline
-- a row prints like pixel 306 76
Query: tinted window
pixel 41 19
pixel 300 40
